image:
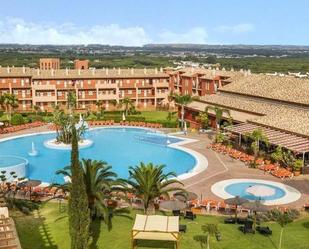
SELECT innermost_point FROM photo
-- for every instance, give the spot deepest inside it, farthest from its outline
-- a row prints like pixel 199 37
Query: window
pixel 128 81
pixel 139 91
pixel 129 91
pixel 89 82
pixel 58 82
pixel 90 93
pixel 27 80
pixel 59 94
pixel 3 80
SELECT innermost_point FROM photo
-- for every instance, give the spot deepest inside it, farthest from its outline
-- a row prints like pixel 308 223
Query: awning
pixel 156 227
pixel 289 141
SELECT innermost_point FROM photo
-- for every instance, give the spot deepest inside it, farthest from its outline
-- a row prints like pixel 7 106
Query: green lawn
pixel 48 229
pixel 155 115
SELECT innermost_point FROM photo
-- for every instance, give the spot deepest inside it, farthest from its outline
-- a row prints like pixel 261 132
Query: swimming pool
pixel 241 189
pixel 119 147
pixel 269 192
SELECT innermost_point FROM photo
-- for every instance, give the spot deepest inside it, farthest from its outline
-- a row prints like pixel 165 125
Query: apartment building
pixel 201 81
pixel 147 88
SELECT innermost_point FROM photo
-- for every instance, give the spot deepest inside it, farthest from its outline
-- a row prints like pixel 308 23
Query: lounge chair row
pixel 141 124
pixel 264 165
pixel 101 122
pixel 8 239
pixel 21 127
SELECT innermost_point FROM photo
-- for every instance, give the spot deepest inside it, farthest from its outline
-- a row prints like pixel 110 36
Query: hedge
pixel 17 119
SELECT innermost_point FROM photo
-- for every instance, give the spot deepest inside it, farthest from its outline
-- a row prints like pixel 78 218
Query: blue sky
pixel 136 22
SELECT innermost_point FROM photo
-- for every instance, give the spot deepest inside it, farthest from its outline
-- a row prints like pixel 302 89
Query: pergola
pixel 292 142
pixel 156 227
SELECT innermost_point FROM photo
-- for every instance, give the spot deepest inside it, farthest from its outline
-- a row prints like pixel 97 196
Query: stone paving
pixel 222 167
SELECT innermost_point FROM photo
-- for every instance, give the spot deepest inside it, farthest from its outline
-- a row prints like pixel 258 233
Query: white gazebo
pixel 155 227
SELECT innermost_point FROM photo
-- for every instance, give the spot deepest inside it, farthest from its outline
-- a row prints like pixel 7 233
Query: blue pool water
pixel 239 189
pixel 119 147
pixel 9 161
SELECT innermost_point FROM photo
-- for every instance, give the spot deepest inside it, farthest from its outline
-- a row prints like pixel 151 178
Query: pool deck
pixel 220 167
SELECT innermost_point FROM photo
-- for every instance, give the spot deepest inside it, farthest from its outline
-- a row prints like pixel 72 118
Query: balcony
pixel 44 98
pixel 4 85
pixel 106 86
pixel 161 95
pixel 44 87
pixel 107 96
pixel 162 84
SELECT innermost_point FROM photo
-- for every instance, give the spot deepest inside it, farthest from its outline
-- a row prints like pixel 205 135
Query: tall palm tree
pixel 9 102
pixel 211 230
pixel 219 112
pixel 183 101
pixel 99 181
pixel 256 136
pixel 282 219
pixel 126 103
pixel 71 101
pixel 148 181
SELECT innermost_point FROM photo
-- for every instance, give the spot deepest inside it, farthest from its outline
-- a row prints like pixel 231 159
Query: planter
pixel 296 173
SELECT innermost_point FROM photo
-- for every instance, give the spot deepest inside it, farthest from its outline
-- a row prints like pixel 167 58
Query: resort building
pixel 277 105
pixel 147 88
pixel 49 63
pixel 200 81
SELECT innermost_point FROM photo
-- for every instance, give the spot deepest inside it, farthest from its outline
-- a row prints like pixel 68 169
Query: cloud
pixel 239 28
pixel 15 30
pixel 194 35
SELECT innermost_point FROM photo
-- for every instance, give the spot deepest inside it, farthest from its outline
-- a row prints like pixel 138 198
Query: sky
pixel 139 22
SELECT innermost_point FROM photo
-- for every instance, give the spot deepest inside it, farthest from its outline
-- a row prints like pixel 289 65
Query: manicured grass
pixel 155 115
pixel 48 229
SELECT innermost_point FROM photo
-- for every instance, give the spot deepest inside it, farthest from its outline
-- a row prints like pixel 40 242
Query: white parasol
pixel 261 190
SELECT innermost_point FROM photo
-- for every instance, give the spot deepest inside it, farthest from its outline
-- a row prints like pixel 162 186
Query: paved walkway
pixel 221 167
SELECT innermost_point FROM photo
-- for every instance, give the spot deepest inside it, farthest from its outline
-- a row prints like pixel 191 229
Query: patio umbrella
pixel 123 117
pixel 237 201
pixel 30 184
pixel 1 123
pixel 185 196
pixel 260 190
pixel 185 129
pixel 173 205
pixel 256 206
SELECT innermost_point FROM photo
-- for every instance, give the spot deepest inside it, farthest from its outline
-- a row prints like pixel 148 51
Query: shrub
pixel 91 117
pixel 33 118
pixel 17 119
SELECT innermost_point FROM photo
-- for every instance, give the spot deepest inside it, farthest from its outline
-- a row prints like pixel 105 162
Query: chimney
pixel 161 70
pixel 24 70
pixel 249 72
pixel 223 69
pixel 8 69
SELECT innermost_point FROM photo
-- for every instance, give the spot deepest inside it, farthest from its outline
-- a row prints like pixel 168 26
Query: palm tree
pixel 203 119
pixel 99 181
pixel 149 182
pixel 211 230
pixel 219 112
pixel 183 101
pixel 36 108
pixel 127 104
pixel 282 219
pixel 71 101
pixel 9 102
pixel 256 136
